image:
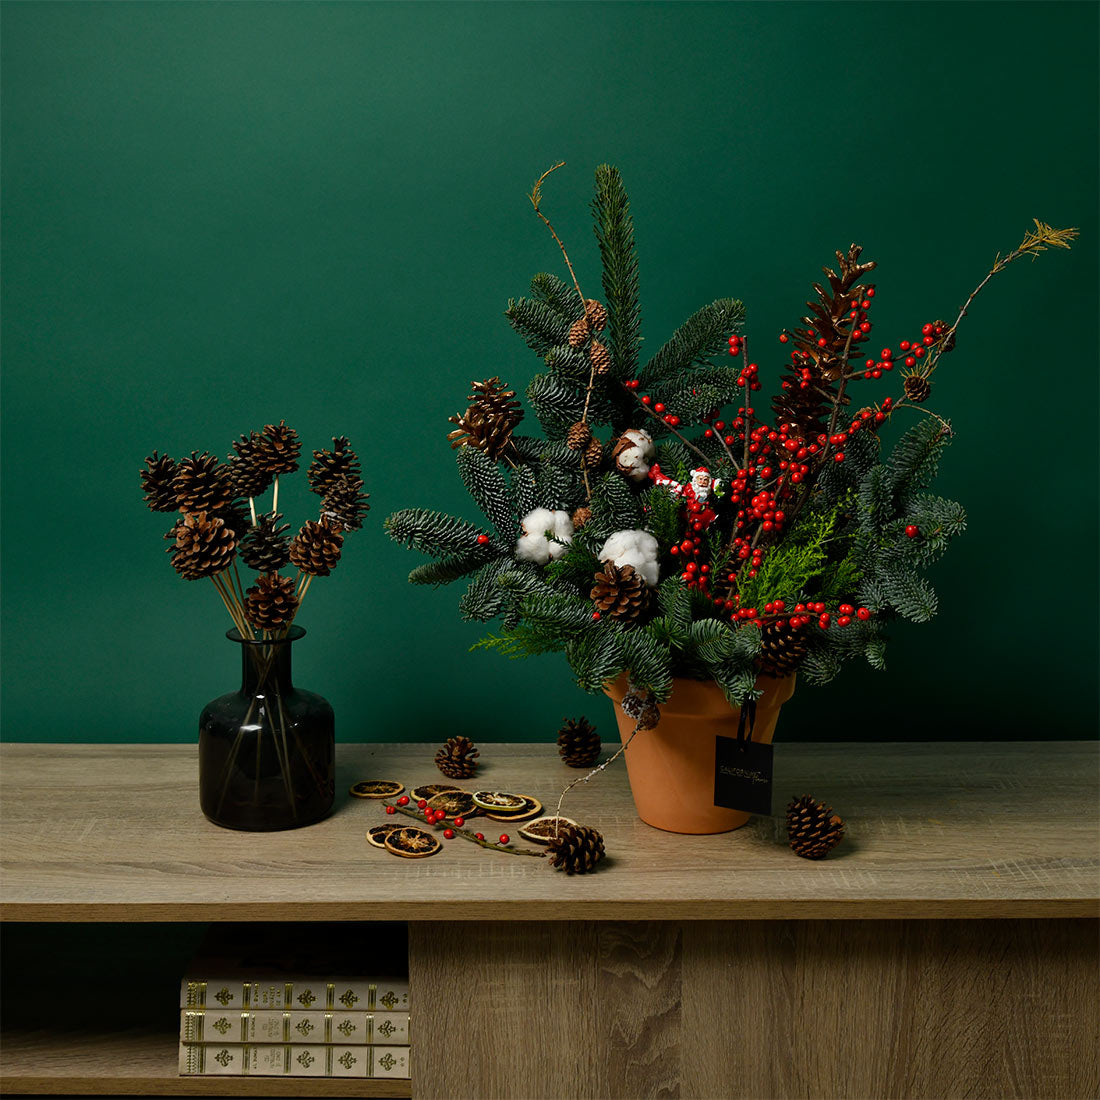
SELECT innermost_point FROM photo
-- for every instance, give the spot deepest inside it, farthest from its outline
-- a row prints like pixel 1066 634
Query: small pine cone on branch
pixel 328 466
pixel 271 602
pixel 596 314
pixel 316 548
pixel 578 743
pixel 593 454
pixel 202 484
pixel 249 477
pixel 599 357
pixel 782 649
pixel 578 436
pixel 345 504
pixel 619 592
pixel 581 516
pixel 813 830
pixel 576 849
pixel 156 482
pixel 202 546
pixel 278 448
pixel 917 388
pixel 265 547
pixel 641 707
pixel 579 332
pixel 457 759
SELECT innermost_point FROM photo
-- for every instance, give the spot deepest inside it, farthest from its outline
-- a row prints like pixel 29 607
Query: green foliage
pixel 524 493
pixel 596 656
pixel 484 597
pixel 486 483
pixel 575 568
pixel 648 662
pixel 558 487
pixel 447 570
pixel 540 325
pixel 914 462
pixel 560 296
pixel 615 234
pixel 433 532
pixel 663 519
pixel 556 404
pixel 615 506
pixel 699 338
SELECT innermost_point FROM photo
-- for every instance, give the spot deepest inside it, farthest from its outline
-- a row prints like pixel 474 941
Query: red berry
pixel 449 834
pixel 480 836
pixel 403 800
pixel 843 620
pixel 783 337
pixel 482 539
pixel 912 531
pixel 391 809
pixel 595 615
pixel 422 803
pixel 646 399
pixel 659 407
pixel 504 838
pixel 863 613
pixel 460 821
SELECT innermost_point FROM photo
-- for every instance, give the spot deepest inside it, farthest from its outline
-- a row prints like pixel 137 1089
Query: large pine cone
pixel 578 436
pixel 782 649
pixel 576 849
pixel 202 546
pixel 578 743
pixel 813 830
pixel 489 421
pixel 156 481
pixel 265 547
pixel 600 357
pixel 246 469
pixel 620 593
pixel 278 448
pixel 316 548
pixel 457 759
pixel 917 388
pixel 328 466
pixel 345 504
pixel 237 518
pixel 271 602
pixel 202 484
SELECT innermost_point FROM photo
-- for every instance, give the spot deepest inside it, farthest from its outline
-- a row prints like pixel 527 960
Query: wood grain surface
pixel 108 833
pixel 814 1010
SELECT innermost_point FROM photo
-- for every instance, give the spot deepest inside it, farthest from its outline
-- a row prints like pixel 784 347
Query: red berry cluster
pixel 749 378
pixel 736 343
pixel 909 351
pixel 671 419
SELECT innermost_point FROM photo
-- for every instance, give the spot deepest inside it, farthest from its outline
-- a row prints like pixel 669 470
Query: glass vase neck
pixel 265 662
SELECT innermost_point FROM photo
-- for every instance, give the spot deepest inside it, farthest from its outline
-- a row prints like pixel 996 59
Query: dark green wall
pixel 216 215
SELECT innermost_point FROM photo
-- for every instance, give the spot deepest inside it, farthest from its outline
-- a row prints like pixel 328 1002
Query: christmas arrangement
pixel 267 752
pixel 665 525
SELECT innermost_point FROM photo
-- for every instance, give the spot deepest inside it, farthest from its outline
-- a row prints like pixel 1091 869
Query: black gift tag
pixel 743 775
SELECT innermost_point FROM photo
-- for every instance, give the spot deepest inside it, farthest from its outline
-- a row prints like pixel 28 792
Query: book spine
pixel 291 1060
pixel 333 995
pixel 209 1025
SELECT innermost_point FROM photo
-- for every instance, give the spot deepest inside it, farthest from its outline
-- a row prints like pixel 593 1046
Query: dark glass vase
pixel 267 753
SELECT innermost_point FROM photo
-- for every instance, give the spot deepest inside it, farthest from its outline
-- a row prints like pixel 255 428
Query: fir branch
pixel 541 327
pixel 433 533
pixel 615 234
pixel 558 295
pixel 699 338
pixel 447 570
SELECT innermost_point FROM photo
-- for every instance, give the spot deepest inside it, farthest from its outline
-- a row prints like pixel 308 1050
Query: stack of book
pixel 238 1022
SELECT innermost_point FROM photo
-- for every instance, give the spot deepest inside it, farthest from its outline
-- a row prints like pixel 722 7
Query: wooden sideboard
pixel 947 948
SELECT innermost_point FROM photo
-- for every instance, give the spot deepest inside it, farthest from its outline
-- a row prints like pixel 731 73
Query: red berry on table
pixel 403 800
pixel 460 821
pixel 449 834
pixel 391 809
pixel 480 836
pixel 422 804
pixel 504 838
pixel 482 539
pixel 912 530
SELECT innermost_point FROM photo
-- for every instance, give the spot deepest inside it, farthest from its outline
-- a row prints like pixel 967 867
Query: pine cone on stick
pixel 578 436
pixel 579 332
pixel 265 547
pixel 782 649
pixel 599 357
pixel 595 314
pixel 620 593
pixel 316 548
pixel 593 454
pixel 345 504
pixel 917 388
pixel 813 830
pixel 236 517
pixel 271 602
pixel 157 482
pixel 246 469
pixel 202 484
pixel 278 448
pixel 202 546
pixel 576 849
pixel 579 743
pixel 328 466
pixel 457 759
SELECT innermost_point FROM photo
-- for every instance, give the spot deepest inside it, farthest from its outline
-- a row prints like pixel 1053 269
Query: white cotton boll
pixel 634 453
pixel 534 544
pixel 636 548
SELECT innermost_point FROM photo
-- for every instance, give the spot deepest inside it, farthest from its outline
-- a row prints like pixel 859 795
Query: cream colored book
pixel 295 994
pixel 214 1025
pixel 292 1060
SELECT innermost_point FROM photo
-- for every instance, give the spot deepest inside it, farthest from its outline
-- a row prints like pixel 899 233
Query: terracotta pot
pixel 671 767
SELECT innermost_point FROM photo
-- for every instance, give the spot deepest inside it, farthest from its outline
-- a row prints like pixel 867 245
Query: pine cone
pixel 642 709
pixel 917 388
pixel 489 421
pixel 578 743
pixel 316 548
pixel 457 759
pixel 576 849
pixel 202 546
pixel 813 830
pixel 580 517
pixel 271 602
pixel 596 314
pixel 782 649
pixel 156 481
pixel 278 448
pixel 265 547
pixel 599 357
pixel 236 517
pixel 620 593
pixel 328 466
pixel 246 470
pixel 345 504
pixel 202 484
pixel 593 454
pixel 578 436
pixel 579 332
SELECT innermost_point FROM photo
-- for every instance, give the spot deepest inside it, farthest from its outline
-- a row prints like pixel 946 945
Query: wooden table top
pixel 114 833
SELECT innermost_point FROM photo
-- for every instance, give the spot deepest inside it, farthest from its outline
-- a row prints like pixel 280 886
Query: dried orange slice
pixel 452 803
pixel 500 802
pixel 545 829
pixel 430 790
pixel 412 843
pixel 376 788
pixel 532 807
pixel 377 835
